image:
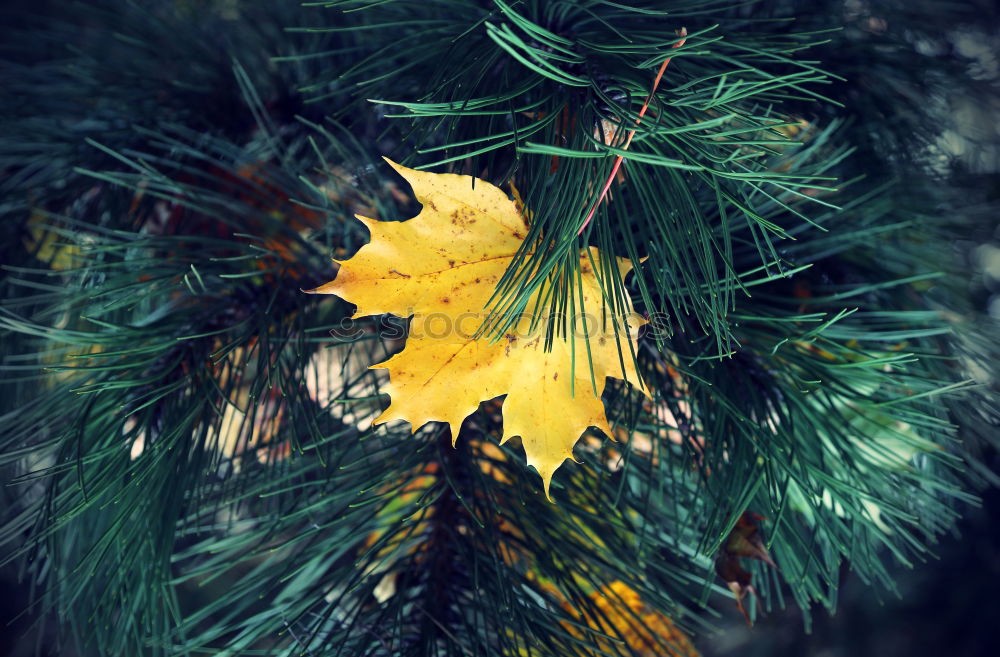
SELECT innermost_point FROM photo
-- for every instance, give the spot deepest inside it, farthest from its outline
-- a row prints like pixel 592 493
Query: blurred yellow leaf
pixel 47 245
pixel 622 614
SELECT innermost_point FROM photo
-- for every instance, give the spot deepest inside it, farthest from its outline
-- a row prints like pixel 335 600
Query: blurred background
pixel 950 605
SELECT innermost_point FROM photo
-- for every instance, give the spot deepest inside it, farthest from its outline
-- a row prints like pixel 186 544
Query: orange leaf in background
pixel 441 268
pixel 646 631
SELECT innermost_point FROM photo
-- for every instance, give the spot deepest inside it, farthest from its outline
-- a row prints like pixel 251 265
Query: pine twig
pixel 642 112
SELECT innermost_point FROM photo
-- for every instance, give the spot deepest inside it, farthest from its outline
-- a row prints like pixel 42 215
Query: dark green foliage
pixel 195 165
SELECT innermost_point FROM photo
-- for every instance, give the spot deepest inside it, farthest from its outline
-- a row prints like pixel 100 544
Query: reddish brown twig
pixel 628 140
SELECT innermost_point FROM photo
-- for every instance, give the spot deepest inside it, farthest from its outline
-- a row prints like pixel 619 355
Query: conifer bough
pixel 189 455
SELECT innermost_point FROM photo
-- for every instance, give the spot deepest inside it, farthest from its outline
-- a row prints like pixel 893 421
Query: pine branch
pixel 189 435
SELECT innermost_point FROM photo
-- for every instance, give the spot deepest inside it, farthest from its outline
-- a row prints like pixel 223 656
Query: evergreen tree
pixel 187 437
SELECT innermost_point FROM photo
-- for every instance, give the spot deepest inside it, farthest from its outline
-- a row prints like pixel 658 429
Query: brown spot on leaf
pixel 555 376
pixel 451 263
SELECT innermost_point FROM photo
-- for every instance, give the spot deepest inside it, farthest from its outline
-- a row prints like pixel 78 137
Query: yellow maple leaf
pixel 441 268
